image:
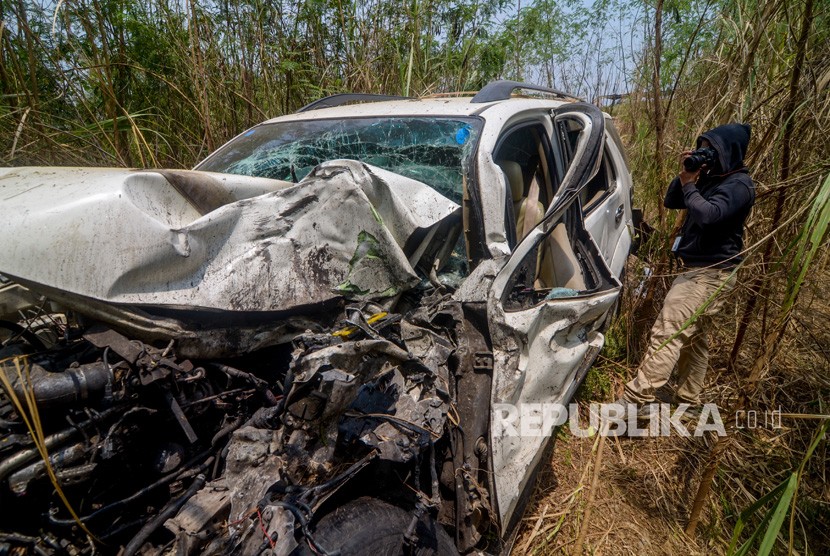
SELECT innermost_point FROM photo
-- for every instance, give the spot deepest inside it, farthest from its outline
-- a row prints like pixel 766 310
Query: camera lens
pixel 693 162
pixel 698 158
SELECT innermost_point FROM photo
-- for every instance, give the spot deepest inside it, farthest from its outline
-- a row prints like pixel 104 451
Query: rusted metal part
pixel 102 337
pixel 19 481
pixel 471 468
pixel 385 400
pixel 22 457
pixel 181 418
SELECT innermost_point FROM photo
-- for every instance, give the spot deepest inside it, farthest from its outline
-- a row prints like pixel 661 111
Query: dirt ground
pixel 632 512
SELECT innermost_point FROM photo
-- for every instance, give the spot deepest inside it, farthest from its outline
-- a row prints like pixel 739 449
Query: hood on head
pixel 731 142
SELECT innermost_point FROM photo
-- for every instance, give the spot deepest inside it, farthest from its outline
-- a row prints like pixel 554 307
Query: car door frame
pixel 624 189
pixel 523 338
pixel 609 219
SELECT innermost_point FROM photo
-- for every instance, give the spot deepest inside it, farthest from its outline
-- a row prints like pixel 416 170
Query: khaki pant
pixel 671 344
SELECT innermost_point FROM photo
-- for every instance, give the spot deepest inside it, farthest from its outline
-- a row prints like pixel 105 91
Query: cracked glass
pixel 435 151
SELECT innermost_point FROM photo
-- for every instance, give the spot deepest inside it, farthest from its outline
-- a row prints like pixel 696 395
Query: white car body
pixel 182 257
pixel 548 355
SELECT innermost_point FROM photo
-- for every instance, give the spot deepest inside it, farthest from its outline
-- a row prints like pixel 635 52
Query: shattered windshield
pixel 434 151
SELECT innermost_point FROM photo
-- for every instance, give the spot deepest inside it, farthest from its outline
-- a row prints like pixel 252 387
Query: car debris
pixel 303 360
pixel 151 258
pixel 373 391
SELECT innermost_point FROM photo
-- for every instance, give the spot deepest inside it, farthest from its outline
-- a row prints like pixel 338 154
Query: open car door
pixel 606 199
pixel 547 307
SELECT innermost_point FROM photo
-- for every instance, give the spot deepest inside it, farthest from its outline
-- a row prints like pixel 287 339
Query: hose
pixel 66 387
pixel 21 458
pixel 136 495
pixel 226 430
pixel 258 383
pixel 167 512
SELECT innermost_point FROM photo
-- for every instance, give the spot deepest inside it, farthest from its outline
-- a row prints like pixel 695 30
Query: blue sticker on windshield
pixel 249 133
pixel 462 135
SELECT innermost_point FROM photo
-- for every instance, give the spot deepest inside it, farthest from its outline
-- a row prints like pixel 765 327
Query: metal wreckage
pixel 200 363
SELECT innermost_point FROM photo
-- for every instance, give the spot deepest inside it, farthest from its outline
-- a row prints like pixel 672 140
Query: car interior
pixel 524 158
pixel 596 189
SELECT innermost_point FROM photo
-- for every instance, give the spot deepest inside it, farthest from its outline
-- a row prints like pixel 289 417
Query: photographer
pixel 715 188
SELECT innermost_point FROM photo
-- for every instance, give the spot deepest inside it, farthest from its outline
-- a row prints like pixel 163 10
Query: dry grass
pixel 67 99
pixel 646 486
pixel 640 498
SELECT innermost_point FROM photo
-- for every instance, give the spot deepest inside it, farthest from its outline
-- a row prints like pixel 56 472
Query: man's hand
pixel 684 175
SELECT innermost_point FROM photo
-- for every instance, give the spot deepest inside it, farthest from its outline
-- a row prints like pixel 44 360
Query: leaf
pixel 778 516
pixel 772 520
pixel 746 515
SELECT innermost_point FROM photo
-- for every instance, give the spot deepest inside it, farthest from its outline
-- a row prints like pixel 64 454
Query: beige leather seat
pixel 557 264
pixel 515 178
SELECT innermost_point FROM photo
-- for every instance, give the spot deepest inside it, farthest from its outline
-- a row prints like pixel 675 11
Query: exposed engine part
pixel 109 408
pixel 21 458
pixel 78 384
pixel 278 436
pixel 168 511
pixel 64 458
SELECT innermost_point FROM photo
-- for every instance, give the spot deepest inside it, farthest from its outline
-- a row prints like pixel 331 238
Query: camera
pixel 699 157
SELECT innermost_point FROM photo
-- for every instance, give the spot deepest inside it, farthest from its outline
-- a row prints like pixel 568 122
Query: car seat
pixel 557 264
pixel 521 204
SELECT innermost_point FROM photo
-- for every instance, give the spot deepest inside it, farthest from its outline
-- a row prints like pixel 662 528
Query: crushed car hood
pixel 167 241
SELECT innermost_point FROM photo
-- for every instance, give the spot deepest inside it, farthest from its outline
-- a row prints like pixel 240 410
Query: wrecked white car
pixel 295 348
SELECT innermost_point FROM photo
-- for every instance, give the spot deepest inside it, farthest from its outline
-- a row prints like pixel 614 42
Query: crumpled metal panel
pixel 539 353
pixel 542 350
pixel 350 402
pixel 141 238
pixel 371 393
pixel 224 264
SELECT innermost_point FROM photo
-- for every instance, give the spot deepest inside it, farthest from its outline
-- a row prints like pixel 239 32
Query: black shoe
pixel 691 413
pixel 644 410
pixel 665 395
pixel 648 411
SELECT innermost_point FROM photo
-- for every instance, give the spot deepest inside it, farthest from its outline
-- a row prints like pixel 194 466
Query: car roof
pixel 426 106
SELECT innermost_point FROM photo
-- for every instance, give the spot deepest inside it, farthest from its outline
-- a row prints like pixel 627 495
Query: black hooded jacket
pixel 718 204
